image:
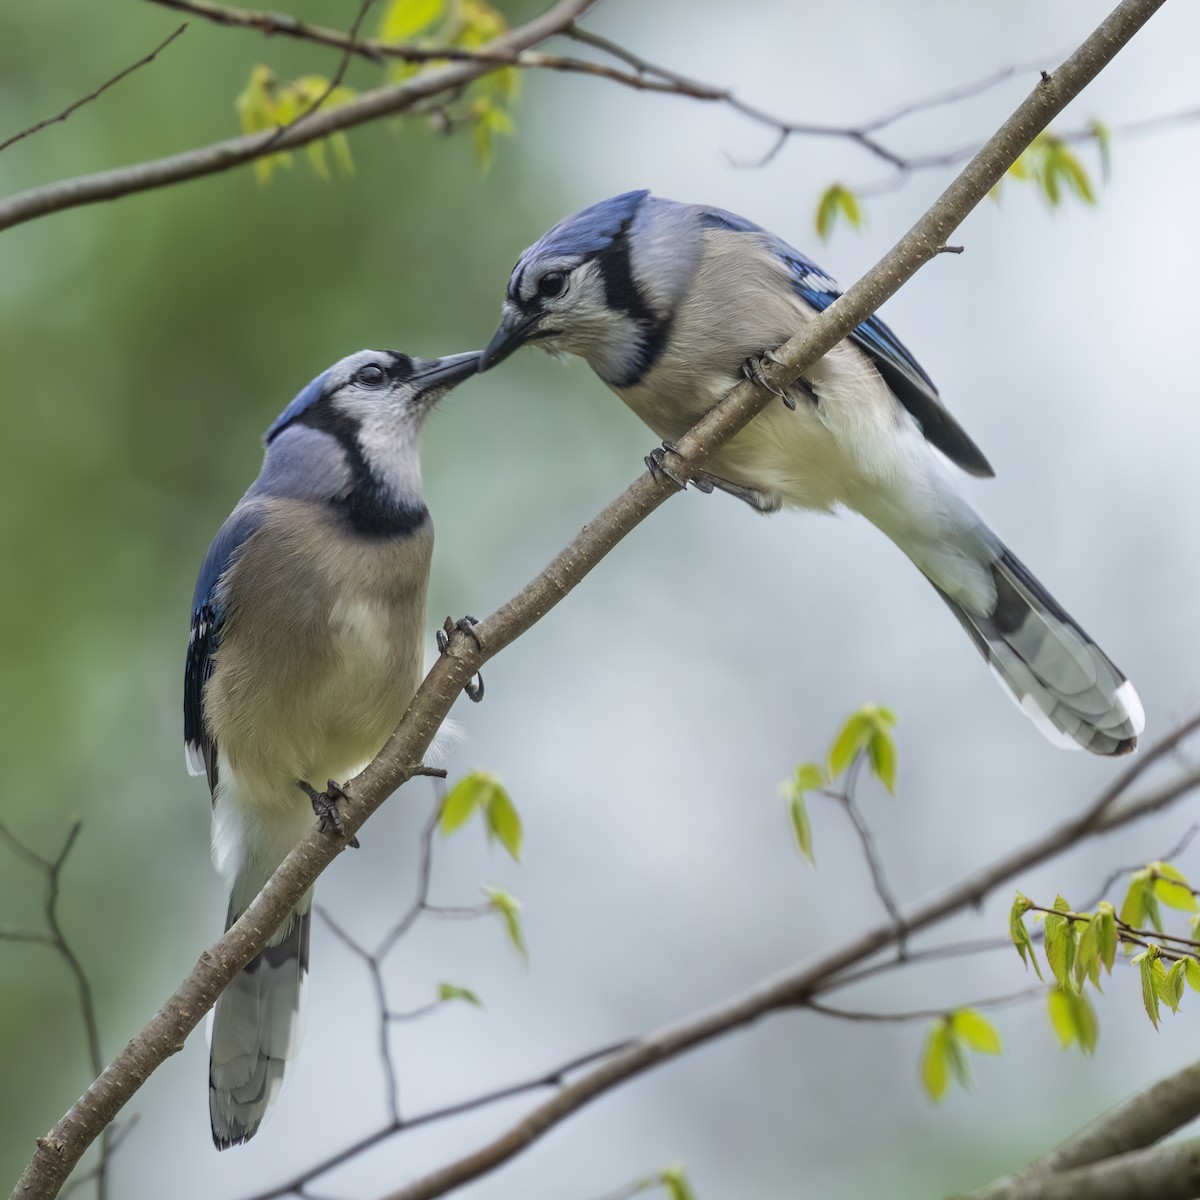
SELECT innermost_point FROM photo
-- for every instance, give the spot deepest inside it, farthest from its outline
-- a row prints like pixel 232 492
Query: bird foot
pixel 752 369
pixel 473 687
pixel 325 808
pixel 656 464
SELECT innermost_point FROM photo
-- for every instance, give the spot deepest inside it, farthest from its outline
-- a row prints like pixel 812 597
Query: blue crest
pixel 305 400
pixel 588 231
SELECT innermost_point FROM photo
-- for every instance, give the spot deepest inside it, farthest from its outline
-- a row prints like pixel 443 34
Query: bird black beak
pixel 441 374
pixel 515 330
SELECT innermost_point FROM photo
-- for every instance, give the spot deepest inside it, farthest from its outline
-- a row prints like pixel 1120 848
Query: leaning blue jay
pixel 671 303
pixel 306 647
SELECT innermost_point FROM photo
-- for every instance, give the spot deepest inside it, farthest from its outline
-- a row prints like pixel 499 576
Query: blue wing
pixel 208 618
pixel 901 372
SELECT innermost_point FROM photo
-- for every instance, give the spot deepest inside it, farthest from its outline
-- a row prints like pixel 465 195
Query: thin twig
pixel 66 112
pixel 923 1014
pixel 54 937
pixel 846 798
pixel 556 1077
pixel 1121 872
pixel 336 81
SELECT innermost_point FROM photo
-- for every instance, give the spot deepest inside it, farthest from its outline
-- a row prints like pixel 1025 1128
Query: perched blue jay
pixel 670 304
pixel 306 647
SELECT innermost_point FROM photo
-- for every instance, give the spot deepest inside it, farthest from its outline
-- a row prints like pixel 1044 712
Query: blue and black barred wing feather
pixel 208 618
pixel 901 372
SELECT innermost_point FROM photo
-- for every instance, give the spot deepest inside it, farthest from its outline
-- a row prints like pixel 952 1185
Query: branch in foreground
pixel 234 152
pixel 66 112
pixel 1169 1172
pixel 1138 1122
pixel 59 1150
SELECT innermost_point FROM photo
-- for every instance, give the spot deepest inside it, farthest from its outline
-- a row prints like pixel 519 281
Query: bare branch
pixel 182 1011
pixel 234 152
pixel 66 112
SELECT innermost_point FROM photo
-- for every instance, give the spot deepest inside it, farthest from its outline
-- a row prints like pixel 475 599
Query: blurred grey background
pixel 149 342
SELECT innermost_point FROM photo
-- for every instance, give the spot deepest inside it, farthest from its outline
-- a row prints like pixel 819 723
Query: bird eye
pixel 552 284
pixel 370 375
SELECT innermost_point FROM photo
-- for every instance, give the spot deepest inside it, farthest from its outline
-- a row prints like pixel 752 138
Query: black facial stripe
pixel 401 366
pixel 372 510
pixel 622 292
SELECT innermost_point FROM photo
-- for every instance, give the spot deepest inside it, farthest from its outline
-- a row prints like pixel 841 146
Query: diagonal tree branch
pixel 66 112
pixel 400 758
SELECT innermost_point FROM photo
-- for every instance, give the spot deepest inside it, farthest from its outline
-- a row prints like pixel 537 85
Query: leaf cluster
pixel 866 735
pixel 1080 946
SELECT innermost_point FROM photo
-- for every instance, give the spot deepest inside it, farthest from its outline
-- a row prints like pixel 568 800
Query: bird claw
pixel 752 369
pixel 657 466
pixel 325 808
pixel 473 687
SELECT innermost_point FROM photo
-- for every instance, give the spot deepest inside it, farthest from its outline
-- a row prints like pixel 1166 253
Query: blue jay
pixel 671 303
pixel 306 647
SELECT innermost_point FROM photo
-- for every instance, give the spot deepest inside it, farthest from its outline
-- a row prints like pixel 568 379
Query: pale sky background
pixel 643 726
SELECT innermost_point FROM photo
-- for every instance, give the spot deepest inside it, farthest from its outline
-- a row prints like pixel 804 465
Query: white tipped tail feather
pixel 255 1030
pixel 1057 675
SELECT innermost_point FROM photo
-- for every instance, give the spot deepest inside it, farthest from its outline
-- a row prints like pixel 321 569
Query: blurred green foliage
pixel 148 344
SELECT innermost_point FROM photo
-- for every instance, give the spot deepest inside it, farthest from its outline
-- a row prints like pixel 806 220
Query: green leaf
pixel 468 794
pixel 503 820
pixel 837 199
pixel 1067 165
pixel 451 991
pixel 489 121
pixel 483 792
pixel 976 1030
pixel 1106 935
pixel 1172 887
pixel 1146 962
pixel 480 23
pixel 1103 136
pixel 935 1066
pixel 882 750
pixel 864 730
pixel 1192 973
pixel 957 1058
pixel 1150 904
pixel 1020 935
pixel 1073 1019
pixel 341 152
pixel 1133 907
pixel 1021 168
pixel 801 826
pixel 676 1183
pixel 404 19
pixel 1170 984
pixel 1060 943
pixel 808 777
pixel 509 908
